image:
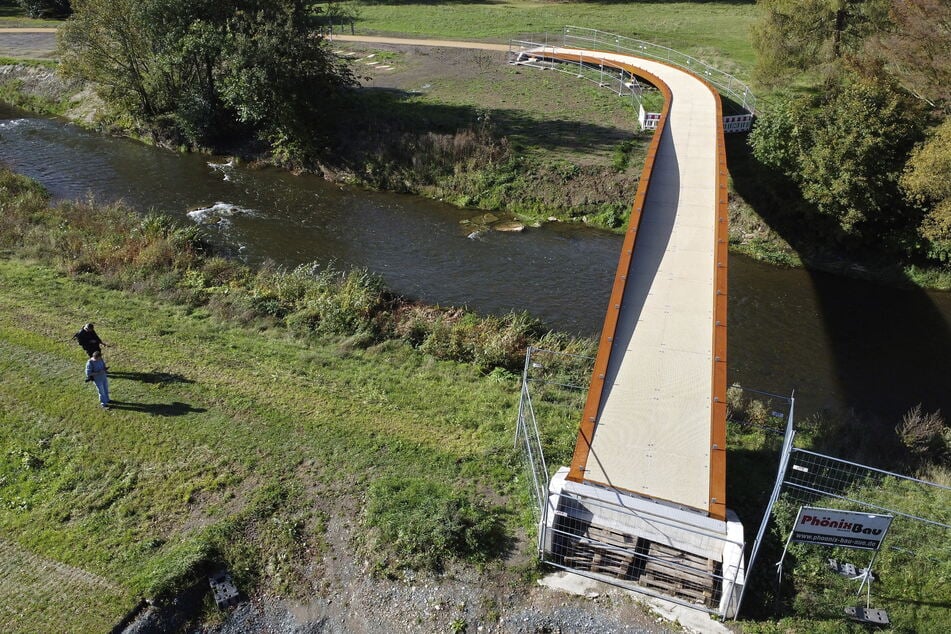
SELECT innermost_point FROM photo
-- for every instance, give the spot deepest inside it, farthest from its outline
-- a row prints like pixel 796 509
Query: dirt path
pixel 28 43
pixel 401 41
pixel 43 43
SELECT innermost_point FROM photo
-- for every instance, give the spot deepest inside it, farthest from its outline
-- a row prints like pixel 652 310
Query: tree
pixel 802 35
pixel 915 50
pixel 845 148
pixel 209 71
pixel 927 181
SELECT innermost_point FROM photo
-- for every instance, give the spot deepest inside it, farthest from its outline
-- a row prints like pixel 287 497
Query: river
pixel 838 342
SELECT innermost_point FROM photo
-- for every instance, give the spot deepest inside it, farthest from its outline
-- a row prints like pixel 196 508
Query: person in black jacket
pixel 89 340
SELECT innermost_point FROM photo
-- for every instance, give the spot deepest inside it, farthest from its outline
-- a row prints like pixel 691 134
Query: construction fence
pixel 553 390
pixel 818 580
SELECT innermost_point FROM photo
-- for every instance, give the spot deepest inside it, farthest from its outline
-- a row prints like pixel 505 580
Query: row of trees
pixel 870 146
pixel 210 73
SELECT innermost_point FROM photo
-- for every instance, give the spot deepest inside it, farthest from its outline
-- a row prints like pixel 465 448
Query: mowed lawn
pixel 212 419
pixel 718 32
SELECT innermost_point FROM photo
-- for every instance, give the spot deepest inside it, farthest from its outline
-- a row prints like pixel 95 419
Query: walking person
pixel 97 372
pixel 89 339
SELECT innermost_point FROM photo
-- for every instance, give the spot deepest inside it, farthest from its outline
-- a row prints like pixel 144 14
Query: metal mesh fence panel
pixel 909 573
pixel 600 40
pixel 922 510
pixel 620 82
pixel 554 388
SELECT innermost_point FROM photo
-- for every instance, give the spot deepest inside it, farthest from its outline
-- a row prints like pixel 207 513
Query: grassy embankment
pixel 241 423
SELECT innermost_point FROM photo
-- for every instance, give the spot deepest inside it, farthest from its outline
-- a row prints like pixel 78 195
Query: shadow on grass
pixel 158 409
pixel 751 473
pixel 390 112
pixel 890 345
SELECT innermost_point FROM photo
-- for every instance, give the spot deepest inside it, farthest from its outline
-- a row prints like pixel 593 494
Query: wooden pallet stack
pixel 661 568
pixel 680 574
pixel 605 552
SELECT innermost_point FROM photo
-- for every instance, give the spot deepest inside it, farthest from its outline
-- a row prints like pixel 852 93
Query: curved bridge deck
pixel 655 423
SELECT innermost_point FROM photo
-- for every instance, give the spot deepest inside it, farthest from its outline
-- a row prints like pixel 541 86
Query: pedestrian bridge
pixel 644 498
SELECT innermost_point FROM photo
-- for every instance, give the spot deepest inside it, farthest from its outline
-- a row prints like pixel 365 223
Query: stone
pixel 509 226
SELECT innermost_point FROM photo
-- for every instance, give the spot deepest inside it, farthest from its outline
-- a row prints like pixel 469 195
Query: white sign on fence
pixel 848 529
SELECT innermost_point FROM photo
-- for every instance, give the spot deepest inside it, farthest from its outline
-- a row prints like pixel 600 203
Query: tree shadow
pixel 647 3
pixel 890 344
pixel 150 377
pixel 158 409
pixel 429 2
pixel 385 115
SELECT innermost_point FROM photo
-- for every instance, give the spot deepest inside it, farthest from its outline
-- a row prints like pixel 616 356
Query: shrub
pixel 331 302
pixel 926 436
pixel 423 524
pixel 621 157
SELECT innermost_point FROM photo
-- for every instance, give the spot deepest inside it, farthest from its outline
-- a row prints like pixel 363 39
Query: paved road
pixel 402 41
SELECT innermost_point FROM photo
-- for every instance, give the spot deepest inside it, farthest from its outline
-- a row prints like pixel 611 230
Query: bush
pixel 331 302
pixel 926 436
pixel 424 524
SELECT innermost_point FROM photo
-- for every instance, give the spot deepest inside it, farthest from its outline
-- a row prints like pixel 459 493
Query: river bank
pixel 435 123
pixel 265 471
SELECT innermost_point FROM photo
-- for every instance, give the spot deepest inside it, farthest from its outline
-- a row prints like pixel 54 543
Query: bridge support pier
pixel 644 545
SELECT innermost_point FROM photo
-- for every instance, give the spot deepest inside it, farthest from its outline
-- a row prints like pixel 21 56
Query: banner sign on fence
pixel 848 529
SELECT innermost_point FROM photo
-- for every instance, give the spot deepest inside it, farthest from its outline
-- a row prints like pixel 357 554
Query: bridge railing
pixel 727 84
pixel 620 82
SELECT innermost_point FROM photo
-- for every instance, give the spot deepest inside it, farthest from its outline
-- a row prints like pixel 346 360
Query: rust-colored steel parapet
pixel 718 410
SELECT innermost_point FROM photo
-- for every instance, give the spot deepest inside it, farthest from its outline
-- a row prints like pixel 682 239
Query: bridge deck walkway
pixel 652 431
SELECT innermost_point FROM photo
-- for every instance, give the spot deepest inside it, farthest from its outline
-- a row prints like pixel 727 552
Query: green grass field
pixel 12 16
pixel 221 434
pixel 718 32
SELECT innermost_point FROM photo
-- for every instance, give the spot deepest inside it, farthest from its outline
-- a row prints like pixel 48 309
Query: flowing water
pixel 838 342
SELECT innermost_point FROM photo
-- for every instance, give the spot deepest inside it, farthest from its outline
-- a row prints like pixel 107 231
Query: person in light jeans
pixel 97 372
